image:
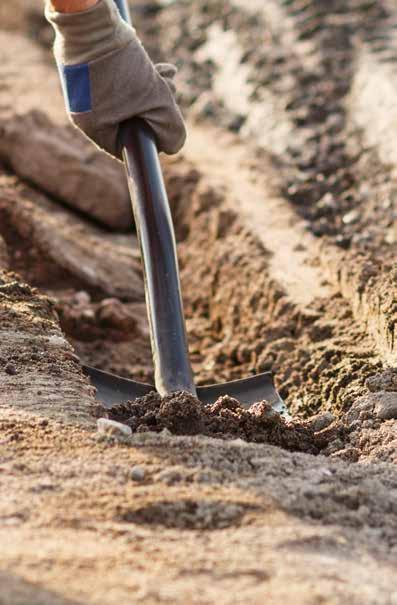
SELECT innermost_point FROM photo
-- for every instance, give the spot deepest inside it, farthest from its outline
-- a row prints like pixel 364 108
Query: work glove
pixel 107 77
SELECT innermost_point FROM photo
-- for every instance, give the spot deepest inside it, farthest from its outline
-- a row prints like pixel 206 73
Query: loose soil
pixel 183 414
pixel 284 207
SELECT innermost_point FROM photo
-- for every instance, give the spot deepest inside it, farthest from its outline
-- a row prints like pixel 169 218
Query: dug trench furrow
pixel 293 326
pixel 282 316
pixel 286 318
pixel 293 101
pixel 252 188
pixel 241 320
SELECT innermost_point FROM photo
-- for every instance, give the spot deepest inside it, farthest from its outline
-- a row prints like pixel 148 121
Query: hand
pixel 109 78
pixel 72 6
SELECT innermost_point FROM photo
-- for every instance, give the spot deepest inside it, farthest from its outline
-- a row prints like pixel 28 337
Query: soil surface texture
pixel 284 204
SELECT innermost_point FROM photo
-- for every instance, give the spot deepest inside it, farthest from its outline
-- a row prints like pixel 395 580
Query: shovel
pixel 172 369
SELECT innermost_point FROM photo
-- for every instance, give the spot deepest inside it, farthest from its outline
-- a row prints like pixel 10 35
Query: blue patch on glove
pixel 76 87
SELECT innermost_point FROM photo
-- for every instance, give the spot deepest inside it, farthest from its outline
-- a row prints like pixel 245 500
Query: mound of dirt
pixel 183 414
pixel 61 162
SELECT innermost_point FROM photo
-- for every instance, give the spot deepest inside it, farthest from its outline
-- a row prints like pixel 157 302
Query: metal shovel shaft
pixel 172 369
pixel 154 226
pixel 124 10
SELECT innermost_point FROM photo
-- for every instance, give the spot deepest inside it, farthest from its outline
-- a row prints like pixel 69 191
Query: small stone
pixel 10 369
pixel 384 381
pixel 82 298
pixel 351 217
pixel 349 454
pixel 321 421
pixel 113 428
pixel 137 473
pixel 386 406
pixel 115 314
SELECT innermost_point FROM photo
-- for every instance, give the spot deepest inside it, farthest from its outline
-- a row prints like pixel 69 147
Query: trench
pixel 240 319
pixel 264 288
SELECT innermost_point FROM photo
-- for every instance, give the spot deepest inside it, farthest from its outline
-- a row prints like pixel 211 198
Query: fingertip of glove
pixel 173 146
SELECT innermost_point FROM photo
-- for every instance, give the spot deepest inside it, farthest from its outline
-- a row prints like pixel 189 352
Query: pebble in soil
pixel 183 414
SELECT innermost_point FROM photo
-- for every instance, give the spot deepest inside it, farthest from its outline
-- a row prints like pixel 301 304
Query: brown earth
pixel 285 220
pixel 183 414
pixel 68 167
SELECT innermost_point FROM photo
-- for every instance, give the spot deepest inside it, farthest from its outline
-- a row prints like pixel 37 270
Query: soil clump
pixel 63 163
pixel 183 414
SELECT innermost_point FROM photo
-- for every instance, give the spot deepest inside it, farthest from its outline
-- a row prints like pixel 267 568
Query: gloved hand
pixel 108 77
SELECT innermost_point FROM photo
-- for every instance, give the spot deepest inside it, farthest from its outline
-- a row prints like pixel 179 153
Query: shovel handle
pixel 124 10
pixel 156 236
pixel 155 230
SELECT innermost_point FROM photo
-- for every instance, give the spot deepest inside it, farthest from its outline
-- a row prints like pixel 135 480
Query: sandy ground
pixel 287 263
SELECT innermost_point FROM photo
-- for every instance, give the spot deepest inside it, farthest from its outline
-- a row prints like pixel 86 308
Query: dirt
pixel 90 179
pixel 320 356
pixel 284 207
pixel 312 111
pixel 39 369
pixel 183 414
pixel 48 244
pixel 209 518
pixel 296 89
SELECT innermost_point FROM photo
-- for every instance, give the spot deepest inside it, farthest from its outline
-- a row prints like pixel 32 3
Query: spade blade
pixel 113 390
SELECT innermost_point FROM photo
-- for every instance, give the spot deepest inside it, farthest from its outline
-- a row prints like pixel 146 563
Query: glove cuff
pixel 88 35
